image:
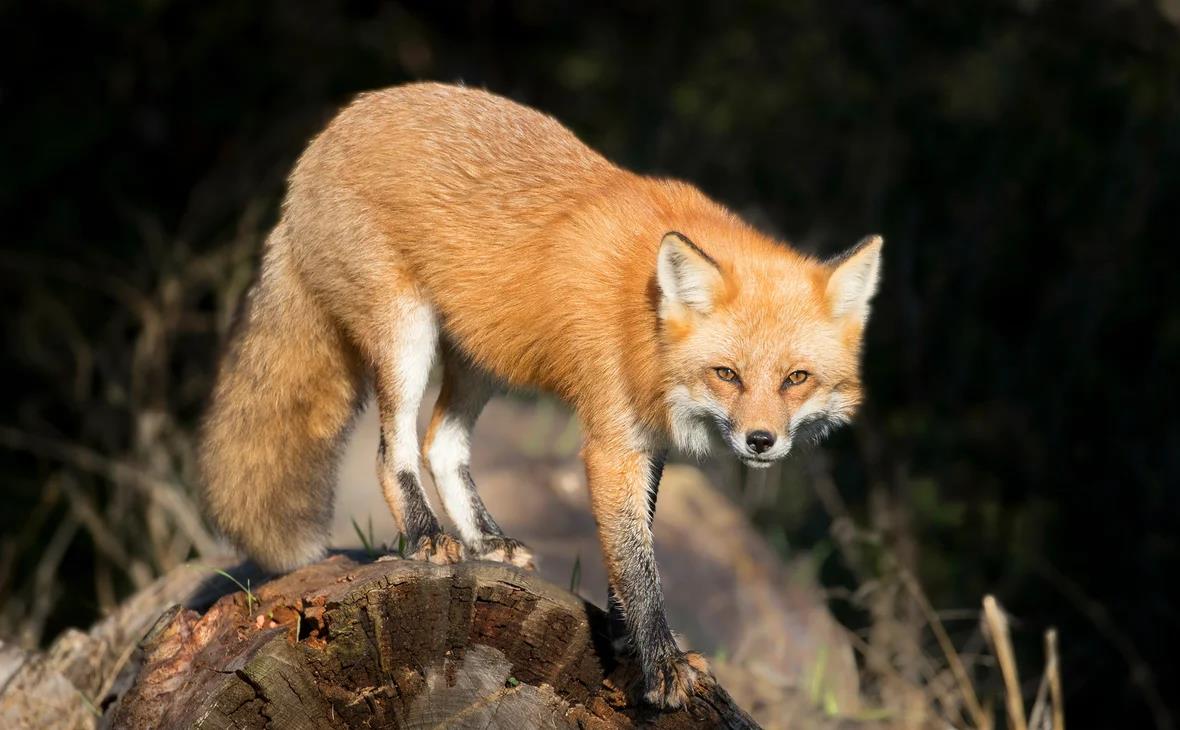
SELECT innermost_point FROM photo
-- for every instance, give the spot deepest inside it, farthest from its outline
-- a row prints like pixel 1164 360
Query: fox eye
pixel 727 374
pixel 796 377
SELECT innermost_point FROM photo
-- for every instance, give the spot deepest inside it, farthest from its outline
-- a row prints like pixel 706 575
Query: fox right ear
pixel 687 276
pixel 854 279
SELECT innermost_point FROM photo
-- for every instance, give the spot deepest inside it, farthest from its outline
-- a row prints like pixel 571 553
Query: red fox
pixel 430 221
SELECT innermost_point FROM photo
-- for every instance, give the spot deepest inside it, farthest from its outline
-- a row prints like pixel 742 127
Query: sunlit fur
pixel 429 213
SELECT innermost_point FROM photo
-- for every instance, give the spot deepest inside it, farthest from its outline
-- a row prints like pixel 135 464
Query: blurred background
pixel 1022 160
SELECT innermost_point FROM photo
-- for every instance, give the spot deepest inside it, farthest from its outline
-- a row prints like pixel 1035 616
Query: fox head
pixel 761 341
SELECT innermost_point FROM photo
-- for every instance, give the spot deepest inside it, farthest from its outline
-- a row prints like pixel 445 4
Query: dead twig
pixel 997 626
pixel 167 494
pixel 1053 672
pixel 974 709
pixel 1048 711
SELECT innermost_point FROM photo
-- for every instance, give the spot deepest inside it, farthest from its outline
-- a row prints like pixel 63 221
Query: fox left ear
pixel 853 281
pixel 687 276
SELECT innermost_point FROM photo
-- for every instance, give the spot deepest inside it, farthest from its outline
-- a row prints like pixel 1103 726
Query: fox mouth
pixel 756 461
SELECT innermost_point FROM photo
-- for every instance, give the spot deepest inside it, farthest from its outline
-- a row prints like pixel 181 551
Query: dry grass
pixel 117 452
pixel 918 673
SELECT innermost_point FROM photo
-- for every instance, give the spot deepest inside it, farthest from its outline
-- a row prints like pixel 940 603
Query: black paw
pixel 671 682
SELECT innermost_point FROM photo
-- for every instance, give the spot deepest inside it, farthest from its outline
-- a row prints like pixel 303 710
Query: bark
pixel 396 644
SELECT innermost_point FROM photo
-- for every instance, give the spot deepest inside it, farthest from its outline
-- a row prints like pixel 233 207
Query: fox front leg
pixel 618 626
pixel 620 494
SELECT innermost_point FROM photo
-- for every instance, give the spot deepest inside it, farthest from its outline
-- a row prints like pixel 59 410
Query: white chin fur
pixel 754 464
pixel 764 460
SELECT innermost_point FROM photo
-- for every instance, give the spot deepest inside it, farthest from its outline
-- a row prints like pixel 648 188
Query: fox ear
pixel 686 275
pixel 854 277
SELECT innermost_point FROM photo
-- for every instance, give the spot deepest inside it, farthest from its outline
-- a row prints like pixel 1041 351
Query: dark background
pixel 1022 160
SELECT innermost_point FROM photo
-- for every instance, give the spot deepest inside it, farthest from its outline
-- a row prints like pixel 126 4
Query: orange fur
pixel 427 206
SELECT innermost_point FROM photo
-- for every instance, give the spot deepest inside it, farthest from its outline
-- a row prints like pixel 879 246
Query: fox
pixel 440 224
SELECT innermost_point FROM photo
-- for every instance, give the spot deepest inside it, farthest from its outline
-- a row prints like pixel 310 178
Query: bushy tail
pixel 286 394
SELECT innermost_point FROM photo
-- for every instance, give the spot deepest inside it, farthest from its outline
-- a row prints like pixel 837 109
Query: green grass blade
pixel 576 574
pixel 250 598
pixel 367 542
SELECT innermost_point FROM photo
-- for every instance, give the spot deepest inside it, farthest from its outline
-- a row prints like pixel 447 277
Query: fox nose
pixel 759 441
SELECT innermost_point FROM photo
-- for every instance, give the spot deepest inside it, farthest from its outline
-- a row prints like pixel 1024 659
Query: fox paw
pixel 507 550
pixel 672 681
pixel 440 549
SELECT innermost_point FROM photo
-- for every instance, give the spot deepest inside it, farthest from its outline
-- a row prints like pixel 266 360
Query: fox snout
pixel 762 448
pixel 759 447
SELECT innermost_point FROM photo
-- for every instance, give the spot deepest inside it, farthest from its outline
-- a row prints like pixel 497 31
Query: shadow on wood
pixel 396 644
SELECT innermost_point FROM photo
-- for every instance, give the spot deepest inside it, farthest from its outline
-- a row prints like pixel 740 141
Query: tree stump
pixel 397 643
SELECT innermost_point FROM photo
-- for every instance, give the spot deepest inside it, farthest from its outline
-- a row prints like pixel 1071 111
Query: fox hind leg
pixel 447 450
pixel 401 374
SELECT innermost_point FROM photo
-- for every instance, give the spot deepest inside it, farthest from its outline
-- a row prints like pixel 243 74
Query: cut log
pixel 397 644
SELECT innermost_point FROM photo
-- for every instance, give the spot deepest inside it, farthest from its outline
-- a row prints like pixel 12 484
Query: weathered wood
pixel 70 684
pixel 396 644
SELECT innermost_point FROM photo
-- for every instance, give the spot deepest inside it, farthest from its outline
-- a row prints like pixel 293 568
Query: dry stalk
pixel 161 491
pixel 46 591
pixel 129 493
pixel 970 699
pixel 859 644
pixel 997 625
pixel 1038 718
pixel 1048 712
pixel 1053 672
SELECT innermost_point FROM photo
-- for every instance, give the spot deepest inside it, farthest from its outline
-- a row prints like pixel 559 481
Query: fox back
pixel 539 256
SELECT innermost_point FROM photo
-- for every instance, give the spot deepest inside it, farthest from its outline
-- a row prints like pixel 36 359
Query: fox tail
pixel 288 388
